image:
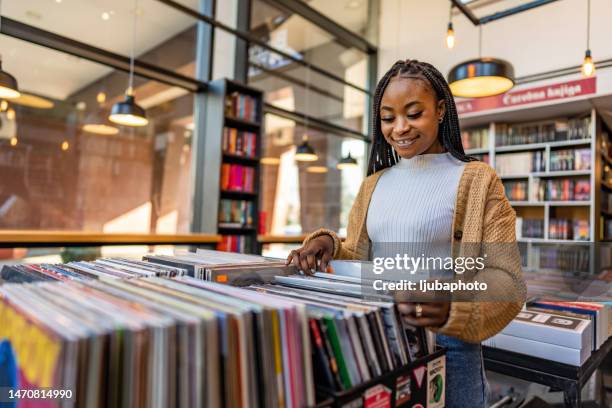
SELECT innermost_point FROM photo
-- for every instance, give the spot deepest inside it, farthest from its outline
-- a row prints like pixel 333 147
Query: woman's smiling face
pixel 410 115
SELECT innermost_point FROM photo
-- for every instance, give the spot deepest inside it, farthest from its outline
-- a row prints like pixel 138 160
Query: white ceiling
pixel 57 75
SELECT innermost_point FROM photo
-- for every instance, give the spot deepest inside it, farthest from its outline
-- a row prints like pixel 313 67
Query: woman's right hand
pixel 318 251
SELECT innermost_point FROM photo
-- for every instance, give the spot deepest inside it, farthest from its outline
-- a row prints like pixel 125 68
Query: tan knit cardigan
pixel 482 215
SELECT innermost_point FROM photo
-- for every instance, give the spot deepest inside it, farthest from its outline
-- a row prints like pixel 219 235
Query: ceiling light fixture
pixel 14 141
pixel 34 101
pixel 588 67
pixel 128 113
pixel 65 145
pixel 100 129
pixel 450 33
pixel 101 97
pixel 270 161
pixel 305 152
pixel 347 162
pixel 317 169
pixel 481 77
pixel 8 83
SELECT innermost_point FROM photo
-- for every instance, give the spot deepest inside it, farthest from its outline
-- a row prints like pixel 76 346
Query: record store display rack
pixel 233 132
pixel 127 333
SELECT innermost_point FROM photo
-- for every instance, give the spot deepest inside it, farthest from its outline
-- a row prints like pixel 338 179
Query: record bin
pixel 420 384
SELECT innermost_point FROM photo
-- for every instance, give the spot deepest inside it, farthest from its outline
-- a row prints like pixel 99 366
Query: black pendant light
pixel 128 113
pixel 8 83
pixel 588 67
pixel 347 162
pixel 450 32
pixel 305 152
pixel 481 77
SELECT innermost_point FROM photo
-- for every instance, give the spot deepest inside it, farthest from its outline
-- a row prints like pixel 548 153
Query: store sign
pixel 564 90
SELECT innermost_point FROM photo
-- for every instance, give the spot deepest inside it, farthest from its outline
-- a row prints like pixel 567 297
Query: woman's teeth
pixel 406 142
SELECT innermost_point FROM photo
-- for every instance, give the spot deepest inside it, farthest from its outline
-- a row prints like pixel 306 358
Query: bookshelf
pixel 550 169
pixel 234 131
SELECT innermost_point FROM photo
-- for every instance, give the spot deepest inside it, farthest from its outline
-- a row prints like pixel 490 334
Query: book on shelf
pixel 235 213
pixel 236 177
pixel 483 157
pixel 605 200
pixel 562 189
pixel 513 164
pixel 529 228
pixel 516 190
pixel 239 143
pixel 544 132
pixel 570 159
pixel 475 138
pixel 561 228
pixel 236 243
pixel 241 106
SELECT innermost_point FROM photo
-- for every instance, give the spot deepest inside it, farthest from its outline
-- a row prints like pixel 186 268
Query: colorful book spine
pixel 236 177
pixel 237 212
pixel 241 106
pixel 239 143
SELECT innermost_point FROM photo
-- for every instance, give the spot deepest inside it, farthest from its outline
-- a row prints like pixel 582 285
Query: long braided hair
pixel 382 154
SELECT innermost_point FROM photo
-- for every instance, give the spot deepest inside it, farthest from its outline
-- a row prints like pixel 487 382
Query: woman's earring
pixel 441 119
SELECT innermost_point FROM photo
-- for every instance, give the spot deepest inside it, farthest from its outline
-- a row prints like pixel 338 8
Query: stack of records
pixel 110 268
pixel 156 342
pixel 226 267
pixel 354 340
pixel 118 332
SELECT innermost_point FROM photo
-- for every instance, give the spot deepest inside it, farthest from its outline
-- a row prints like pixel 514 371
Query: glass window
pixel 298 37
pixel 350 14
pixel 299 197
pixel 69 168
pixel 164 36
pixel 325 99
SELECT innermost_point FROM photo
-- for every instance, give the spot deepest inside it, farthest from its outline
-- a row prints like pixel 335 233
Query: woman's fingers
pixel 305 258
pixel 324 262
pixel 432 314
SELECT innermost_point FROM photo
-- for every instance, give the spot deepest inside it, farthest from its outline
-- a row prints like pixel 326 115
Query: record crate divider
pixel 390 389
pixel 217 120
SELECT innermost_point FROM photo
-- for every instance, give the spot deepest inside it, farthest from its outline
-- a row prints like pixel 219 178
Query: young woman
pixel 421 187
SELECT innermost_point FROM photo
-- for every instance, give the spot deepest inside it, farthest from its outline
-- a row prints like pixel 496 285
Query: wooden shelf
pixel 242 228
pixel 562 173
pixel 568 203
pixel 234 158
pixel 550 203
pixel 480 150
pixel 538 146
pixel 551 241
pixel 238 195
pixel 514 176
pixel 25 237
pixel 240 123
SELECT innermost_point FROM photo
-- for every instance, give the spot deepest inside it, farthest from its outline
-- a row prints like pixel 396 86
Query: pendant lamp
pixel 450 33
pixel 8 83
pixel 128 113
pixel 347 162
pixel 588 67
pixel 305 152
pixel 481 77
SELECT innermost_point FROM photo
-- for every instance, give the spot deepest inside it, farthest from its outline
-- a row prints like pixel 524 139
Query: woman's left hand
pixel 430 314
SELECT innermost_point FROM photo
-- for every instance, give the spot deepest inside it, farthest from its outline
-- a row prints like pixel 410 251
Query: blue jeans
pixel 466 384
